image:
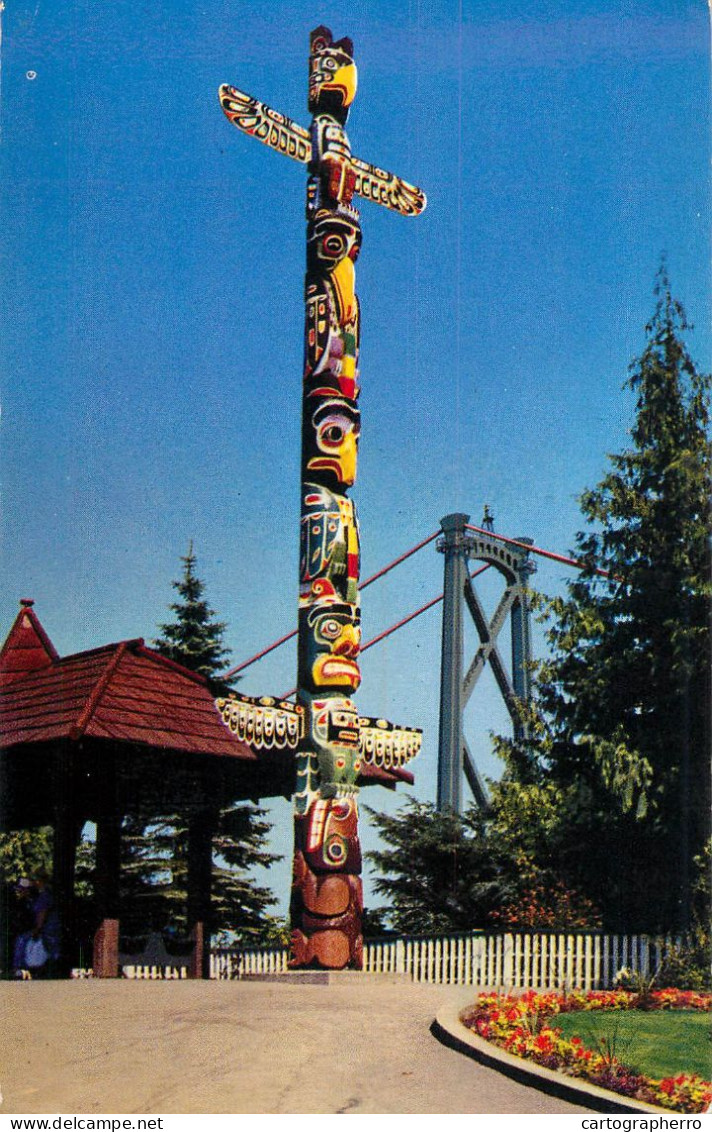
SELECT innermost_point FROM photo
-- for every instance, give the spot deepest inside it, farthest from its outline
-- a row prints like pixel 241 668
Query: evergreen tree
pixel 155 851
pixel 240 905
pixel 193 639
pixel 436 870
pixel 447 872
pixel 155 874
pixel 625 698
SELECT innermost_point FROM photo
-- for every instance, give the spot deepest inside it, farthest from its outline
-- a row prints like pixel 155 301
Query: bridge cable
pixel 401 623
pixel 288 636
pixel 563 559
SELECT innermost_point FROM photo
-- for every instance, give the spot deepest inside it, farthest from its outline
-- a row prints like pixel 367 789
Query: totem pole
pixel 329 737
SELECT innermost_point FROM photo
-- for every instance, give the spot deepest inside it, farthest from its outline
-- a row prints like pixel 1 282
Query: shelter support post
pixel 66 829
pixel 201 827
pixel 106 879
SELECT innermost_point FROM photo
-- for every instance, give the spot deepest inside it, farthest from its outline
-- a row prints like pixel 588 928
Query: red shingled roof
pixel 27 647
pixel 122 692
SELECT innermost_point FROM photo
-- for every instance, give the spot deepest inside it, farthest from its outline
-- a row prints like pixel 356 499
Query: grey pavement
pixel 361 1046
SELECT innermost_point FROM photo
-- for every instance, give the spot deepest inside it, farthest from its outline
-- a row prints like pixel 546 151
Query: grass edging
pixel 449 1029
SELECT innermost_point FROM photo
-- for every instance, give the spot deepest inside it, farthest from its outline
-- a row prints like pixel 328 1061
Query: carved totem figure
pixel 331 741
pixel 327 903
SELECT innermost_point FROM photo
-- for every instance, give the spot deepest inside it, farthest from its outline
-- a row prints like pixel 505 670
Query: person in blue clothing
pixel 43 925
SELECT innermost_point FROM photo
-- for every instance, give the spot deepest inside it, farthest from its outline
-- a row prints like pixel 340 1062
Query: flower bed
pixel 523 1026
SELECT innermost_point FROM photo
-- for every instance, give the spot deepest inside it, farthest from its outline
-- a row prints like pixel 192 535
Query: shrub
pixel 689 964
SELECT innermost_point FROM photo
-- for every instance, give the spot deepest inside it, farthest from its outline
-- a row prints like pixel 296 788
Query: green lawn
pixel 656 1043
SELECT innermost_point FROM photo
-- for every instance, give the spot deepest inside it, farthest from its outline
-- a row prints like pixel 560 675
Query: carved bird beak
pixel 346 80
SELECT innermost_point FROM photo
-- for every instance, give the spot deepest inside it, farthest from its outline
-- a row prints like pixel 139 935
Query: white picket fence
pixel 146 971
pixel 235 962
pixel 521 960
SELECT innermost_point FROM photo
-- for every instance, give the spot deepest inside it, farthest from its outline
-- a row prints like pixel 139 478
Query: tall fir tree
pixel 624 729
pixel 194 638
pixel 155 853
pixel 436 870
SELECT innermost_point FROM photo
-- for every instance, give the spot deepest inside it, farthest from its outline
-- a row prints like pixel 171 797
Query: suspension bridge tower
pixel 459 543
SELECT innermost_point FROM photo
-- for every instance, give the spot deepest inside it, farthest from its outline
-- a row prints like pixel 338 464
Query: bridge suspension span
pixel 460 541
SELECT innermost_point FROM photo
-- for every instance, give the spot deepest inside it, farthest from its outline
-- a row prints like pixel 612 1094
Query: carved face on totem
pixel 331 442
pixel 332 641
pixel 332 250
pixel 332 74
pixel 332 311
pixel 330 353
pixel 332 239
pixel 336 737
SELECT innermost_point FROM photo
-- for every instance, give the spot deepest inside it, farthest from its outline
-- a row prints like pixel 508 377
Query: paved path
pixel 241 1047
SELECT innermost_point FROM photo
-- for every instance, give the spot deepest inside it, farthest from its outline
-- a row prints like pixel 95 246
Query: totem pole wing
pixel 255 118
pixel 385 188
pixel 286 136
pixel 265 722
pixel 386 745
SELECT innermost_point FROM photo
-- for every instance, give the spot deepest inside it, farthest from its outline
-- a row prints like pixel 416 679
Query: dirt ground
pixel 95 1047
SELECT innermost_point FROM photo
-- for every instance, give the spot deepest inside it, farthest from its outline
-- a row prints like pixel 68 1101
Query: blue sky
pixel 152 268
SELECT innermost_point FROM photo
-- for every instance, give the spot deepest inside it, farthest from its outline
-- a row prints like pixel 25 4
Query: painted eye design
pixel 333 430
pixel 335 850
pixel 331 629
pixel 330 64
pixel 334 246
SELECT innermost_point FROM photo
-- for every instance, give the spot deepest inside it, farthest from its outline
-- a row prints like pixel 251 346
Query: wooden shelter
pixel 102 734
